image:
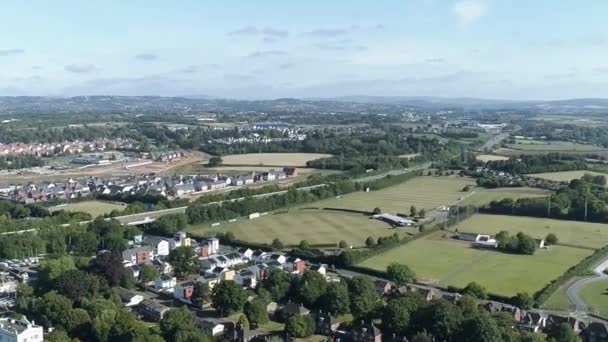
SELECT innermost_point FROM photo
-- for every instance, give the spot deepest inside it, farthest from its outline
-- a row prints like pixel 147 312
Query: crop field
pixel 490 157
pixel 316 226
pixel 272 159
pixel 583 234
pixel 422 192
pixel 565 176
pixel 485 196
pixel 95 208
pixel 444 261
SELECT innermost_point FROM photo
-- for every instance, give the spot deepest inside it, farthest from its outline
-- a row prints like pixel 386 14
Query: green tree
pixel 396 314
pixel 179 325
pixel 422 213
pixel 551 239
pixel 149 273
pixel 400 273
pixel 51 310
pixel 336 300
pixel 77 284
pixel 439 318
pixel 227 297
pixel 527 245
pixel 311 287
pixel 522 300
pixel 300 326
pixel 201 294
pixel 277 284
pixel 52 269
pixel 255 310
pixel 243 322
pixel 564 333
pixel 480 329
pixel 304 244
pixel 343 244
pixel 277 245
pixel 183 260
pixel 370 242
pixel 363 296
pixel 109 266
pixel 475 290
pixel 413 211
pixel 505 323
pixel 215 161
pixel 377 211
pixel 58 335
pixel 422 337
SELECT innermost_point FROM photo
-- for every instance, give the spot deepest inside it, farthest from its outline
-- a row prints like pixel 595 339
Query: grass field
pixel 595 296
pixel 423 192
pixel 445 262
pixel 316 226
pixel 485 196
pixel 584 234
pixel 272 159
pixel 565 176
pixel 490 157
pixel 553 146
pixel 95 208
pixel 557 301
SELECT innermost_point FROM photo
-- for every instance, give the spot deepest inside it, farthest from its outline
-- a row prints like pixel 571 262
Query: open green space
pixel 565 176
pixel 444 261
pixel 557 301
pixel 485 196
pixel 595 296
pixel 95 208
pixel 583 234
pixel 316 226
pixel 553 146
pixel 422 192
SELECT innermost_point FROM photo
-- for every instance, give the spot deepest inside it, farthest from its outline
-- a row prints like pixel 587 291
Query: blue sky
pixel 513 49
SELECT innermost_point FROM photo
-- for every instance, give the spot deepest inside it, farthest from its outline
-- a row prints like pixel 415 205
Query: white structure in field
pixel 20 331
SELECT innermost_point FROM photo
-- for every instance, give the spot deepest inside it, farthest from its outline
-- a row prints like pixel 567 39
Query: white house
pixel 159 244
pixel 21 330
pixel 129 298
pixel 165 283
pixel 246 253
pixel 319 268
pixel 246 278
pixel 212 327
pixel 260 256
pixel 280 258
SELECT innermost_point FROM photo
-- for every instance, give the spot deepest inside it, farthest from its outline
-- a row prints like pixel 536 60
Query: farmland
pixel 538 147
pixel 272 159
pixel 422 192
pixel 316 226
pixel 490 157
pixel 584 234
pixel 95 208
pixel 484 196
pixel 444 261
pixel 565 176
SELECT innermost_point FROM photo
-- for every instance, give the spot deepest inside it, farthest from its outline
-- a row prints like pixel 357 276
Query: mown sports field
pixel 316 226
pixel 583 234
pixel 95 208
pixel 423 192
pixel 444 261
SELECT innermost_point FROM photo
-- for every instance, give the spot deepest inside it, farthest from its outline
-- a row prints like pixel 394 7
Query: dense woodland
pixel 19 162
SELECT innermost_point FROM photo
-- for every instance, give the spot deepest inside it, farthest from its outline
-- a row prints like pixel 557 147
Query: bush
pixel 343 244
pixel 551 239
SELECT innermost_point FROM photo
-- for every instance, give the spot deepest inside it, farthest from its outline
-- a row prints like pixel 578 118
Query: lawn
pixel 272 159
pixel 565 176
pixel 316 226
pixel 95 208
pixel 554 146
pixel 443 261
pixel 422 192
pixel 557 301
pixel 485 196
pixel 490 157
pixel 595 296
pixel 584 234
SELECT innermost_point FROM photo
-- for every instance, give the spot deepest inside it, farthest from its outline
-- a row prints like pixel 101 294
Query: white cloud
pixel 469 11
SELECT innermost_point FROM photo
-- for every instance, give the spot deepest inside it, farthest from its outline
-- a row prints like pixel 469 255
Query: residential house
pixel 280 258
pixel 209 278
pixel 183 291
pixel 234 259
pixel 129 298
pixel 159 244
pixel 430 294
pixel 290 171
pixel 165 283
pixel 152 310
pixel 534 321
pixel 383 287
pixel 134 271
pixel 247 253
pixel 246 278
pixel 554 322
pixel 223 273
pixel 293 309
pixel 209 247
pixel 21 330
pixel 366 332
pixel 259 270
pixel 269 176
pixel 260 256
pixel 271 308
pixel 180 239
pixel 212 327
pixel 496 307
pixel 295 265
pixel 318 268
pixel 595 332
pixel 138 255
pixel 326 324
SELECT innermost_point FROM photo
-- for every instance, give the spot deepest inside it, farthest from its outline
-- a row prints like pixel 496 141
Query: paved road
pixel 393 173
pixel 574 291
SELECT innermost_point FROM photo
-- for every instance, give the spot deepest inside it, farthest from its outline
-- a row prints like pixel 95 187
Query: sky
pixel 503 49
